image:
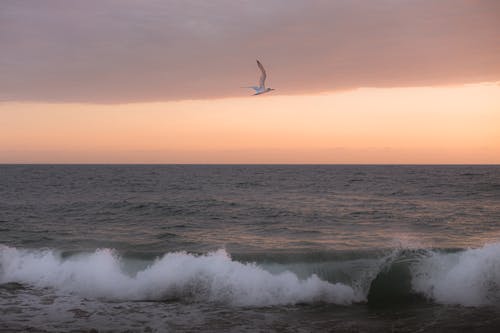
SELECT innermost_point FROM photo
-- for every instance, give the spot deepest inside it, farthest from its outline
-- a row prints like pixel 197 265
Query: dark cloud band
pixel 124 51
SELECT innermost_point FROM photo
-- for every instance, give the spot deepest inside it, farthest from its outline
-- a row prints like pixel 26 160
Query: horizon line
pixel 254 164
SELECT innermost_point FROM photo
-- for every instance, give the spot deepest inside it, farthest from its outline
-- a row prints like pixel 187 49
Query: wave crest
pixel 179 275
pixel 468 277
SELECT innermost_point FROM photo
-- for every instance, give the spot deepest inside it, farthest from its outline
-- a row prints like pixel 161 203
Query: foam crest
pixel 470 277
pixel 211 277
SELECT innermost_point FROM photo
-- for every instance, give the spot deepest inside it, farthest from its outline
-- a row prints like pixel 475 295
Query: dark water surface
pixel 245 248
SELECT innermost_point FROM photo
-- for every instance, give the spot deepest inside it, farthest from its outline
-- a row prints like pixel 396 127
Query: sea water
pixel 155 248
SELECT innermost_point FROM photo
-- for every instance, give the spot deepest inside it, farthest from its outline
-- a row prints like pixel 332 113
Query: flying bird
pixel 261 89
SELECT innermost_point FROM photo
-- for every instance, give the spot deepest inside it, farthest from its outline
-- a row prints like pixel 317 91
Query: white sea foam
pixel 211 277
pixel 470 277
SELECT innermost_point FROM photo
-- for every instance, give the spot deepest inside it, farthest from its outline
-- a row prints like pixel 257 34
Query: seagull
pixel 261 89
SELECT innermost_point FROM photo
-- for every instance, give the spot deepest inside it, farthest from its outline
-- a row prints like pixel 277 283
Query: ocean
pixel 246 248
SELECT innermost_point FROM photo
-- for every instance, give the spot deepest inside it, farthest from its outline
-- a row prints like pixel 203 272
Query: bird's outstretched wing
pixel 262 76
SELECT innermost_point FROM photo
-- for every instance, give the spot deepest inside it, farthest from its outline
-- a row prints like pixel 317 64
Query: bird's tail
pixel 252 87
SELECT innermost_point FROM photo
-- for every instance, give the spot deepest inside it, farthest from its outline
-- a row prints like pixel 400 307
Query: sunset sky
pixel 123 81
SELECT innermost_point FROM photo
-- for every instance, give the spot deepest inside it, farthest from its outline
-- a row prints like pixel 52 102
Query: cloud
pixel 118 51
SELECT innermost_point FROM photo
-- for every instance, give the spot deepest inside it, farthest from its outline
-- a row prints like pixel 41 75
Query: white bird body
pixel 261 88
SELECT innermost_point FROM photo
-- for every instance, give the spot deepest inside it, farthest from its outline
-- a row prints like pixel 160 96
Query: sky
pixel 125 81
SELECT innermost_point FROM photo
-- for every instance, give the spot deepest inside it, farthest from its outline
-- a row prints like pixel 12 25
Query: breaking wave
pixel 469 277
pixel 178 275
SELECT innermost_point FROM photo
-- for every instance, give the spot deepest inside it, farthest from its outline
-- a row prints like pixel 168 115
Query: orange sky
pixel 454 124
pixel 126 81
